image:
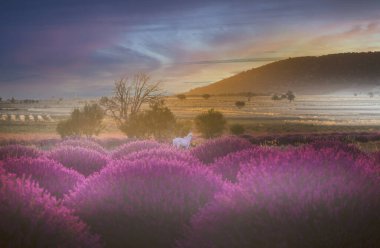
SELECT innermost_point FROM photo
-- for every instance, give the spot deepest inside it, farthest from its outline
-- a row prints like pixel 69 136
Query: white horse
pixel 184 142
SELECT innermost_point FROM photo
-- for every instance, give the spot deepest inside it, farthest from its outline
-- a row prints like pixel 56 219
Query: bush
pixel 229 166
pixel 163 153
pixel 132 147
pixel 181 96
pixel 206 96
pixel 49 174
pixel 157 122
pixel 210 124
pixel 87 121
pixel 146 203
pixel 83 143
pixel 215 148
pixel 237 129
pixel 83 160
pixel 239 104
pixel 17 151
pixel 307 204
pixel 31 218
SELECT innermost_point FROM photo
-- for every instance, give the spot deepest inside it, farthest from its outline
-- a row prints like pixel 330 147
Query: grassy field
pixel 260 116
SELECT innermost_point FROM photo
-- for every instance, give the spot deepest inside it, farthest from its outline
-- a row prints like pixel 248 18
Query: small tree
pixel 290 96
pixel 157 122
pixel 210 124
pixel 275 97
pixel 130 95
pixel 206 96
pixel 237 129
pixel 181 96
pixel 87 121
pixel 239 104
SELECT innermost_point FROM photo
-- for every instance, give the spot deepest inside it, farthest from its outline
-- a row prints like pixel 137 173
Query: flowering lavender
pixel 50 175
pixel 229 166
pixel 83 160
pixel 164 153
pixel 214 148
pixel 145 203
pixel 135 146
pixel 83 143
pixel 292 203
pixel 31 218
pixel 16 151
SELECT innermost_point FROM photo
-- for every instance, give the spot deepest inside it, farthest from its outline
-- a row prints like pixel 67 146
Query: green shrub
pixel 239 104
pixel 157 122
pixel 181 97
pixel 206 96
pixel 87 121
pixel 210 124
pixel 237 129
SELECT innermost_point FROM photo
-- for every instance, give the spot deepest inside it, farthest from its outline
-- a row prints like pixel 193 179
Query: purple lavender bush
pixel 50 175
pixel 83 143
pixel 212 149
pixel 32 218
pixel 84 161
pixel 309 203
pixel 17 151
pixel 337 146
pixel 229 166
pixel 163 153
pixel 145 203
pixel 135 146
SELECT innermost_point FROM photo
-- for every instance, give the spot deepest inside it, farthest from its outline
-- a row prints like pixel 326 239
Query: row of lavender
pixel 285 139
pixel 296 139
pixel 223 193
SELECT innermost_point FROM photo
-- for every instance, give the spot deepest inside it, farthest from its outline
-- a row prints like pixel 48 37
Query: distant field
pixel 260 115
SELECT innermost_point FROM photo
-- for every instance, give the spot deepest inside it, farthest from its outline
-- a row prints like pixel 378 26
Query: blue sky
pixel 78 48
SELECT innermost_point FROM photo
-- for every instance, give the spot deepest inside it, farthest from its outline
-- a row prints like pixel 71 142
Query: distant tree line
pixel 15 101
pixel 288 95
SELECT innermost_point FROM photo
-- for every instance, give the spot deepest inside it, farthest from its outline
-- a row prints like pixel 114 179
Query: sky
pixel 57 48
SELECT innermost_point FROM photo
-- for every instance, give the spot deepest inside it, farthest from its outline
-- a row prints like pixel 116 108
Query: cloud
pixel 227 61
pixel 68 46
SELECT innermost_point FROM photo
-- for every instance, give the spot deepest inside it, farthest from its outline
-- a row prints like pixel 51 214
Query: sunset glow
pixel 71 48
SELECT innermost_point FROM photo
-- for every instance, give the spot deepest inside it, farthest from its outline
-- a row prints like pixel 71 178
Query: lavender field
pixel 225 192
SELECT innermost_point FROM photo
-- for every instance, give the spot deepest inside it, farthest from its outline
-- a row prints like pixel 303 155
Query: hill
pixel 334 73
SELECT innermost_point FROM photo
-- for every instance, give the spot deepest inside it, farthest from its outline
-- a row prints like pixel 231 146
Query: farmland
pixel 260 115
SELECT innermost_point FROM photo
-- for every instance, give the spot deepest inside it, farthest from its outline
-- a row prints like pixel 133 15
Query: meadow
pixel 225 192
pixel 260 115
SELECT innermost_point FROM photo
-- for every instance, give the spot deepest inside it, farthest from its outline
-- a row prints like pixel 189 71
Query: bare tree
pixel 130 95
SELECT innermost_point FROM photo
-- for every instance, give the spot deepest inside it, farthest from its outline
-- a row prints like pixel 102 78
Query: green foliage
pixel 290 96
pixel 211 124
pixel 239 104
pixel 157 122
pixel 87 121
pixel 206 96
pixel 181 97
pixel 275 97
pixel 237 129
